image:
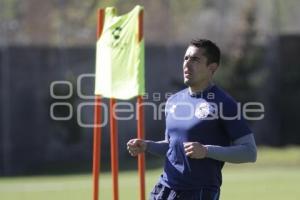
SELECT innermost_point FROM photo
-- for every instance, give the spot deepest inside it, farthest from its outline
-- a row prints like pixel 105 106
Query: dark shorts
pixel 161 192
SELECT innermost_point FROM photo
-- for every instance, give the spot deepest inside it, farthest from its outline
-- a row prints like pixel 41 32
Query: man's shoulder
pixel 178 95
pixel 222 95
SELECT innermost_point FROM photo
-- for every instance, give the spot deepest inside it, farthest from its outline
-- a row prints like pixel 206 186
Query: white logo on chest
pixel 202 110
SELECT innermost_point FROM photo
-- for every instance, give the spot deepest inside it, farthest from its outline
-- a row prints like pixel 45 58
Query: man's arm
pixel 136 146
pixel 158 148
pixel 242 150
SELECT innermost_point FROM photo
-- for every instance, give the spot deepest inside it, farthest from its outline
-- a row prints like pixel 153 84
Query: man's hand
pixel 195 150
pixel 136 146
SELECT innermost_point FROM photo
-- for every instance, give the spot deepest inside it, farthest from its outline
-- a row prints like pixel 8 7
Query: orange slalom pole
pixel 96 147
pixel 97 121
pixel 140 125
pixel 114 149
pixel 141 26
pixel 141 157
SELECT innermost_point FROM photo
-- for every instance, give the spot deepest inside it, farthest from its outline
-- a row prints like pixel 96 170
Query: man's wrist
pixel 206 151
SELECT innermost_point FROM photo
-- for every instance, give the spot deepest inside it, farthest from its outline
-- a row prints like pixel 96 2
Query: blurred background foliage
pixel 45 41
pixel 72 22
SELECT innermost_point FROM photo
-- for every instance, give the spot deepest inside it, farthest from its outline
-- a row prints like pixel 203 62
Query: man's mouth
pixel 187 74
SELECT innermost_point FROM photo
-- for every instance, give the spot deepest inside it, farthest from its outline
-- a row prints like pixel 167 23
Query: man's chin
pixel 187 82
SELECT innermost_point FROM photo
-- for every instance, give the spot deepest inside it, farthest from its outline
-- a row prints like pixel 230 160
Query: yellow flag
pixel 120 56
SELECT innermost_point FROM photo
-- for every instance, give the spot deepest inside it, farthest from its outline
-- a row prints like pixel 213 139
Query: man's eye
pixel 195 59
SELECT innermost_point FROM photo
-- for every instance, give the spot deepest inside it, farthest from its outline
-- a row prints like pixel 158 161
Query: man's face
pixel 195 68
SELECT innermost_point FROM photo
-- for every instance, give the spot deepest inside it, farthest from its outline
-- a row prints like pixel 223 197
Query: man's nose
pixel 186 65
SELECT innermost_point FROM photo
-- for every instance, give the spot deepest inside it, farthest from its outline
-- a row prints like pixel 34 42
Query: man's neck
pixel 200 88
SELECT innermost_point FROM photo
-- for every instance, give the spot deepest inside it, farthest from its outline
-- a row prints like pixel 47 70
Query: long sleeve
pixel 242 150
pixel 158 148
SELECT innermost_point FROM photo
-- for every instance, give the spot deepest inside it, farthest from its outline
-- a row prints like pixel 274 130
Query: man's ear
pixel 213 67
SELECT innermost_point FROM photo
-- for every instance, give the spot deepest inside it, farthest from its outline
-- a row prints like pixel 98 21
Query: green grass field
pixel 276 176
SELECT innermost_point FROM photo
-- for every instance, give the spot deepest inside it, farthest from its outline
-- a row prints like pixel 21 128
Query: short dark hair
pixel 212 51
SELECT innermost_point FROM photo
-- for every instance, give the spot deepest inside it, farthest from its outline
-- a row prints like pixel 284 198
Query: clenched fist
pixel 136 146
pixel 195 150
